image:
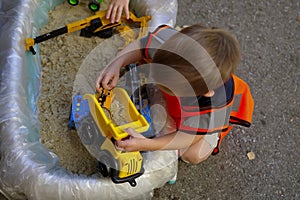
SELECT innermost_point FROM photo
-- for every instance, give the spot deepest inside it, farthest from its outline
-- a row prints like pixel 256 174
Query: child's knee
pixel 198 152
pixel 195 159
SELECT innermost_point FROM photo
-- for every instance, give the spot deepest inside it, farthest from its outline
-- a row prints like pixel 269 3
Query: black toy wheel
pixel 106 33
pixel 73 2
pixel 106 164
pixel 88 130
pixel 102 169
pixel 94 6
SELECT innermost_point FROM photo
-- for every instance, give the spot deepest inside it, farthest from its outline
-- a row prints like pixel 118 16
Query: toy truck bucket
pixel 135 120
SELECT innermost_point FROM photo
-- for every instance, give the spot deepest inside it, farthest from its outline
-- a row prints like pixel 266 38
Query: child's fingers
pixel 119 13
pixel 97 86
pixel 130 131
pixel 114 82
pixel 133 133
pixel 106 83
pixel 109 81
pixel 98 82
pixel 101 77
pixel 115 10
pixel 108 11
pixel 127 12
pixel 113 14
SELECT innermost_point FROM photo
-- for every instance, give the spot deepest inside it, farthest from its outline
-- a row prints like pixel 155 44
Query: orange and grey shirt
pixel 231 104
pixel 214 116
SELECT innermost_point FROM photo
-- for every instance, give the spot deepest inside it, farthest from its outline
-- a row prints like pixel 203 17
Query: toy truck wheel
pixel 88 130
pixel 102 169
pixel 106 165
pixel 73 2
pixel 94 6
pixel 106 33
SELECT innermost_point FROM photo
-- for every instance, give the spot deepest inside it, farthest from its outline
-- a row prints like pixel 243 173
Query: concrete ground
pixel 269 35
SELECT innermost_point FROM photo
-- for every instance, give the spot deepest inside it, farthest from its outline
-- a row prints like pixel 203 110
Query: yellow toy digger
pixel 95 25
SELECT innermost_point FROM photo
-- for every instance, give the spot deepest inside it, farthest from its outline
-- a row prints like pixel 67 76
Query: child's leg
pixel 162 12
pixel 200 151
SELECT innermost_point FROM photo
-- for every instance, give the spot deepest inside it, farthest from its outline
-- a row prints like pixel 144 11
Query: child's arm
pixel 109 77
pixel 173 141
pixel 115 9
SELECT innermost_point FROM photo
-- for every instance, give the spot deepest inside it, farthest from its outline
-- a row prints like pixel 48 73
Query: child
pixel 194 70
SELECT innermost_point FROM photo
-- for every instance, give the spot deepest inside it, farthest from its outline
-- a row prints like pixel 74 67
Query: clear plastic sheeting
pixel 28 170
pixel 162 12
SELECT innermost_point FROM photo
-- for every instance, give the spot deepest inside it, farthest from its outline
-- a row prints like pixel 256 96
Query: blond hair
pixel 205 57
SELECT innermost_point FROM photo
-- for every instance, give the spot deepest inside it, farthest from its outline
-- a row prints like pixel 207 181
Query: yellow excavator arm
pixel 94 24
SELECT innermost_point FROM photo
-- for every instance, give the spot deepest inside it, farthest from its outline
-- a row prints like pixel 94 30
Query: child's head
pixel 205 58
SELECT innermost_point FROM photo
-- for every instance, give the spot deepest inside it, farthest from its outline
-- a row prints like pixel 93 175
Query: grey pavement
pixel 269 35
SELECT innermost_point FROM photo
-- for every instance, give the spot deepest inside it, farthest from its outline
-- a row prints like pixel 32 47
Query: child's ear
pixel 210 93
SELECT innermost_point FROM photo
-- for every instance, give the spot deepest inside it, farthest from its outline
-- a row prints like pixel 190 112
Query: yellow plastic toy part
pixel 29 43
pixel 99 18
pixel 78 25
pixel 105 98
pixel 143 23
pixel 135 120
pixel 130 163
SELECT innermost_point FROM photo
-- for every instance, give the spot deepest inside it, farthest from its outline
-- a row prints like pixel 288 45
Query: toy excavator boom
pixel 93 24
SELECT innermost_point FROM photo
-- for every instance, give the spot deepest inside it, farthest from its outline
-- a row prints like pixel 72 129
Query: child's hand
pixel 133 143
pixel 108 78
pixel 115 9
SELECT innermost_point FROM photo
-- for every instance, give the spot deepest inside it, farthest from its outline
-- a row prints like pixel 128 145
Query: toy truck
pixel 98 133
pixel 94 5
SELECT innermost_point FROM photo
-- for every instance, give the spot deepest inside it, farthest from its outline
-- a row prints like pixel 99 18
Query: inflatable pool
pixel 28 170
